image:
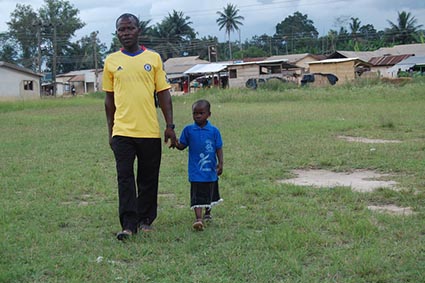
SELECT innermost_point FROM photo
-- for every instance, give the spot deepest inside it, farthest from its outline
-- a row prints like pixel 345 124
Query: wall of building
pixel 12 85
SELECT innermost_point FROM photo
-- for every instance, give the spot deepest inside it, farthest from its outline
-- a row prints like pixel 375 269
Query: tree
pixel 85 53
pixel 355 28
pixel 173 35
pixel 230 21
pixel 7 51
pixel 298 31
pixel 60 20
pixel 22 27
pixel 44 35
pixel 406 29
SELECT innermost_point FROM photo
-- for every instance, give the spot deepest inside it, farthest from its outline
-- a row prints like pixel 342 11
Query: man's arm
pixel 166 105
pixel 110 113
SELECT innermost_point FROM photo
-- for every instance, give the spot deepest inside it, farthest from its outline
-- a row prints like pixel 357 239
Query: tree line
pixel 41 40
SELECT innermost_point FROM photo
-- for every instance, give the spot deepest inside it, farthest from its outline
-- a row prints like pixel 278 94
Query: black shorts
pixel 204 194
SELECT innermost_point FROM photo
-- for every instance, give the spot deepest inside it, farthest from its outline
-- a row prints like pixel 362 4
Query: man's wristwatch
pixel 171 126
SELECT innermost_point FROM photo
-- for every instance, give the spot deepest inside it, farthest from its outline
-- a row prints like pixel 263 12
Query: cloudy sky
pixel 261 16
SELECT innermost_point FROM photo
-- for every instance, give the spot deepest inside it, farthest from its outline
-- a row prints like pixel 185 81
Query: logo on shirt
pixel 148 67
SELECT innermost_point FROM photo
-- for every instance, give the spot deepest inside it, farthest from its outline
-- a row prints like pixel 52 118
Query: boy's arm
pixel 180 146
pixel 219 154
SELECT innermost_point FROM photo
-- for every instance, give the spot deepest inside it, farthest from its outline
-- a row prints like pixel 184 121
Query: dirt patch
pixel 366 140
pixel 359 180
pixel 391 209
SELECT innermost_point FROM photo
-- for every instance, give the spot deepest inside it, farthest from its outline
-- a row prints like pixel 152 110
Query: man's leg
pixel 149 160
pixel 125 153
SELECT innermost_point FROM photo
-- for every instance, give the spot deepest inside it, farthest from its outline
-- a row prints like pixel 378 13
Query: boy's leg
pixel 207 215
pixel 198 225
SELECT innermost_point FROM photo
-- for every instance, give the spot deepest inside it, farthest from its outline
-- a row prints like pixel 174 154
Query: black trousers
pixel 137 205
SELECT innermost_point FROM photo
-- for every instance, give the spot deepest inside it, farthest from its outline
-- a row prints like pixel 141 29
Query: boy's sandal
pixel 124 235
pixel 145 228
pixel 207 217
pixel 198 225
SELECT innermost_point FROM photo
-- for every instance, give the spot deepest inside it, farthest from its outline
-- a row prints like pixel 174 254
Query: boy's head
pixel 201 112
pixel 202 103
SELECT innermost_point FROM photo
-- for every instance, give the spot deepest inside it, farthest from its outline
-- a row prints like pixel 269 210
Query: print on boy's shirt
pixel 204 161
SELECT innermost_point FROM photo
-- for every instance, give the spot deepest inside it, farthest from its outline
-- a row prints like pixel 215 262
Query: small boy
pixel 205 161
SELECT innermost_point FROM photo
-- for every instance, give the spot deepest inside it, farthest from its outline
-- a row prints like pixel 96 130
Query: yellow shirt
pixel 134 79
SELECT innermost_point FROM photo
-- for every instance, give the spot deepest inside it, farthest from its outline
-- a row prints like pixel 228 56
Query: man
pixel 131 77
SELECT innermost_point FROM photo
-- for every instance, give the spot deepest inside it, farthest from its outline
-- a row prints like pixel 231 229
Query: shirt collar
pixel 140 51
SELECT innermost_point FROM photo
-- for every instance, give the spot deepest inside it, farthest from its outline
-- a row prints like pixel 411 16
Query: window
pixel 233 74
pixel 28 85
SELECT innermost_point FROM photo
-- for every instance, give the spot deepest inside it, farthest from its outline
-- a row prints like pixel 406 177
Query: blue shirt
pixel 203 144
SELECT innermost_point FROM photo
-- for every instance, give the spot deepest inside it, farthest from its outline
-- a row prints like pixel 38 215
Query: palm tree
pixel 355 28
pixel 405 30
pixel 230 20
pixel 174 32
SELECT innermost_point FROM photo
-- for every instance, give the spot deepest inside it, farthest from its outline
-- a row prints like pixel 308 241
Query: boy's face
pixel 200 114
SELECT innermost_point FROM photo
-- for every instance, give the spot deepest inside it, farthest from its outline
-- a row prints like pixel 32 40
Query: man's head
pixel 128 31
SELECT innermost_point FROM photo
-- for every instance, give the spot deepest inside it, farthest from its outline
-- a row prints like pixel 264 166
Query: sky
pixel 260 16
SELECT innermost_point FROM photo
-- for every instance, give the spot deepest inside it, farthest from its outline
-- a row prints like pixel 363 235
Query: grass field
pixel 58 196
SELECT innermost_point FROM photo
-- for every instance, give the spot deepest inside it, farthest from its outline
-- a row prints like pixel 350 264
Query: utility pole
pixel 54 59
pixel 96 74
pixel 38 25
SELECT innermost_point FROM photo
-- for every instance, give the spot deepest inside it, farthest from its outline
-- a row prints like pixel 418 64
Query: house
pixel 84 81
pixel 18 83
pixel 175 67
pixel 414 63
pixel 211 75
pixel 417 49
pixel 381 64
pixel 300 60
pixel 345 69
pixel 241 73
pixel 362 55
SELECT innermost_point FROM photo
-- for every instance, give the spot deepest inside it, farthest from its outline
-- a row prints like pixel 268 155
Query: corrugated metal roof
pixel 418 49
pixel 206 68
pixel 78 78
pixel 19 68
pixel 408 63
pixel 389 60
pixel 180 64
pixel 340 60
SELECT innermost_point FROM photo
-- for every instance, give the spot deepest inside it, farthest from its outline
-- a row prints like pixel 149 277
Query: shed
pixel 345 69
pixel 414 62
pixel 300 60
pixel 84 81
pixel 18 83
pixel 240 73
pixel 382 64
pixel 175 67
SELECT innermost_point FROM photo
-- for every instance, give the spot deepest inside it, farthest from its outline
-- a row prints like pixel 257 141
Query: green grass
pixel 58 202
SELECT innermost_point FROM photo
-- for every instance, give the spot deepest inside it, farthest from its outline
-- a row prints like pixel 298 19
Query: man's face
pixel 128 32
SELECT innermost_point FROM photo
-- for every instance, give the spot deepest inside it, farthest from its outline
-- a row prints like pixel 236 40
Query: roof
pixel 417 49
pixel 388 60
pixel 283 62
pixel 339 60
pixel 180 64
pixel 78 72
pixel 206 68
pixel 363 55
pixel 78 78
pixel 294 58
pixel 19 69
pixel 408 63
